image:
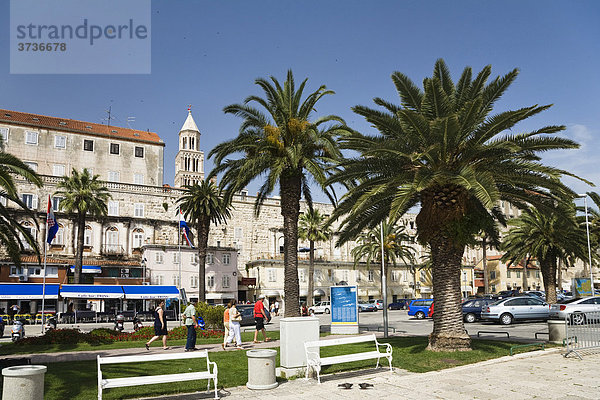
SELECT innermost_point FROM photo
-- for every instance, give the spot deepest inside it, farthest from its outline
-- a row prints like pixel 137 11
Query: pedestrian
pixel 14 310
pixel 303 310
pixel 160 326
pixel 226 324
pixel 277 307
pixel 191 323
pixel 259 318
pixel 234 326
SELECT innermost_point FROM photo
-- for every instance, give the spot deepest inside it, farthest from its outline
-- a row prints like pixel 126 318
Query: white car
pixel 320 308
pixel 575 307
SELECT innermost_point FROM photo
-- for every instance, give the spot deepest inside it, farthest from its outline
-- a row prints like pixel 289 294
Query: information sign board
pixel 344 309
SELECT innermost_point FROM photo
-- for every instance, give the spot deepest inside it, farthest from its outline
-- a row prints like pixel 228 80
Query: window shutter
pixel 34 202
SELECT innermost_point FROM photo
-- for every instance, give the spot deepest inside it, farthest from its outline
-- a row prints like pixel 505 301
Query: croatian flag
pixel 51 222
pixel 186 230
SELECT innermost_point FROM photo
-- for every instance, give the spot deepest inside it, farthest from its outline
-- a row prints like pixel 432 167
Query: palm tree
pixel 549 237
pixel 83 195
pixel 312 227
pixel 441 149
pixel 282 143
pixel 202 204
pixel 396 247
pixel 11 231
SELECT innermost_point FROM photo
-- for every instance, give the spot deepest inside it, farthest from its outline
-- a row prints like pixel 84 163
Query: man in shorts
pixel 259 318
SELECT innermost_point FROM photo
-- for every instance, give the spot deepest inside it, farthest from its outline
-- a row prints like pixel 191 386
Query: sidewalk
pixel 541 374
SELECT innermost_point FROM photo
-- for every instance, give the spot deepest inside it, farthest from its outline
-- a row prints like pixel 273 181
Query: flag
pixel 51 222
pixel 186 230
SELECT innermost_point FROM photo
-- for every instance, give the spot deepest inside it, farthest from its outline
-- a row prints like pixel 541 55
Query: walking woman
pixel 234 326
pixel 160 325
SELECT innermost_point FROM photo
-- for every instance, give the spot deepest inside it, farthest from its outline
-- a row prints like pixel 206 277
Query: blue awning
pixel 27 291
pixel 88 269
pixel 133 292
pixel 92 291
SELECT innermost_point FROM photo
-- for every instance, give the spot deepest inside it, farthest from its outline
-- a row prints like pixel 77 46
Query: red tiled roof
pixel 86 261
pixel 72 125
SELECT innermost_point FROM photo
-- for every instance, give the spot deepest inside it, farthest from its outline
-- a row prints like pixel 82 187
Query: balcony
pixel 112 250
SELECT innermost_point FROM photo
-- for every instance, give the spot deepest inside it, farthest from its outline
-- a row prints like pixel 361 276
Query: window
pixel 537 274
pixel 113 208
pixel 302 275
pixel 87 236
pixel 358 276
pixel 30 200
pixel 492 274
pixel 160 280
pixel 114 148
pixel 138 210
pixel 226 281
pixel 56 203
pixel 192 146
pixel 175 280
pixel 16 270
pixel 238 234
pixel 184 143
pixel 4 135
pixel 493 288
pixel 318 275
pixel 175 258
pixel 60 142
pixel 210 281
pixel 395 276
pixel 529 274
pixel 226 258
pixel 88 145
pixel 210 258
pixel 59 239
pixel 508 273
pixel 112 238
pixel 138 238
pixel 31 137
pixel 518 274
pixel 272 274
pixel 29 227
pixel 138 179
pixel 194 258
pixel 160 257
pixel 371 275
pixel 114 176
pixel 31 165
pixel 194 281
pixel 139 152
pixel 344 275
pixel 58 170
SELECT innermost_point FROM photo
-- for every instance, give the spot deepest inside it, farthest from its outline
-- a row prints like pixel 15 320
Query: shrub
pixel 65 336
pixel 212 315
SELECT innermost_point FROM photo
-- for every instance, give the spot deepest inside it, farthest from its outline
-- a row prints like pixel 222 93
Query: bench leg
pixel 318 369
pixel 215 381
pixel 390 361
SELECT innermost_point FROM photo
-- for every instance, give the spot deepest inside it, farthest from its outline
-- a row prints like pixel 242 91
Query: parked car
pixel 320 308
pixel 506 311
pixel 508 293
pixel 419 308
pixel 400 304
pixel 247 311
pixel 472 308
pixel 366 307
pixel 377 303
pixel 538 293
pixel 575 308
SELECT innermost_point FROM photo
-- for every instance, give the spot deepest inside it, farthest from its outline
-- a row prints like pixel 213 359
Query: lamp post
pixel 384 285
pixel 587 230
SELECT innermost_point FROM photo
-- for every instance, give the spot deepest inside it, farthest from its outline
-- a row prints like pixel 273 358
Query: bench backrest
pixel 339 341
pixel 152 357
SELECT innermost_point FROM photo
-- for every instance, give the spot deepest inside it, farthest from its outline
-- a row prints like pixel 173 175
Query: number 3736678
pixel 34 46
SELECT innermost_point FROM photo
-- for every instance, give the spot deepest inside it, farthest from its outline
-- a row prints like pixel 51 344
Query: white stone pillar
pixel 24 382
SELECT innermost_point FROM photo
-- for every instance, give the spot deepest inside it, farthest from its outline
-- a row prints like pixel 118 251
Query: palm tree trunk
pixel 486 278
pixel 559 275
pixel 413 269
pixel 525 285
pixel 203 230
pixel 548 266
pixel 290 187
pixel 79 257
pixel 311 272
pixel 448 328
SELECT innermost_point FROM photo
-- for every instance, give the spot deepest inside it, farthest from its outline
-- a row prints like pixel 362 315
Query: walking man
pixel 191 323
pixel 259 318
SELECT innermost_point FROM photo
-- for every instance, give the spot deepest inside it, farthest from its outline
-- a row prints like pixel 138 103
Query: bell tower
pixel 189 161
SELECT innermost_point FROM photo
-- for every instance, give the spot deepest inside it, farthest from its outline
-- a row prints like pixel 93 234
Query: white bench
pixel 148 380
pixel 315 361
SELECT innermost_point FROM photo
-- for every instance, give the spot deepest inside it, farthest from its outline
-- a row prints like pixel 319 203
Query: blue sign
pixel 344 305
pixel 582 287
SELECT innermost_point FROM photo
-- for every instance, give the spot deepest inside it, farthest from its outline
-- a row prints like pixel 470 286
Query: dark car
pixel 472 308
pixel 247 311
pixel 508 293
pixel 400 304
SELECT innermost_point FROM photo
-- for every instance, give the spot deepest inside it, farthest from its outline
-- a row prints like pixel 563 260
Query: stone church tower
pixel 189 161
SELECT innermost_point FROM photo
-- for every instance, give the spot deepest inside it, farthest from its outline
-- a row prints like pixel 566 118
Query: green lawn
pixel 78 380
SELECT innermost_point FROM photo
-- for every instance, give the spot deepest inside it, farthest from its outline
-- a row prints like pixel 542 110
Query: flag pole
pixel 179 280
pixel 44 281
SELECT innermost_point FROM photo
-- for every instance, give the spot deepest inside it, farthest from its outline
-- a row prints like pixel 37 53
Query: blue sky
pixel 208 54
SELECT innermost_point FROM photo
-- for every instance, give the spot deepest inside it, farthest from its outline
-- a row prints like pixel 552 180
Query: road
pixel 398 319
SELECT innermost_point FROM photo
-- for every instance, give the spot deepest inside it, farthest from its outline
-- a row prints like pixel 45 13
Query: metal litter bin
pixel 261 369
pixel 23 382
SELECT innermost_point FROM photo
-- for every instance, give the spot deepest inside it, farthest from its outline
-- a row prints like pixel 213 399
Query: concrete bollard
pixel 557 331
pixel 23 382
pixel 261 369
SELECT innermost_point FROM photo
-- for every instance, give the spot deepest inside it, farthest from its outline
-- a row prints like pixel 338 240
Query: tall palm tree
pixel 441 149
pixel 396 247
pixel 549 237
pixel 11 230
pixel 202 204
pixel 312 227
pixel 83 195
pixel 281 142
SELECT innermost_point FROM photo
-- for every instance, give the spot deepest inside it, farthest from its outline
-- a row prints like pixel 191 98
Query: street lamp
pixel 587 229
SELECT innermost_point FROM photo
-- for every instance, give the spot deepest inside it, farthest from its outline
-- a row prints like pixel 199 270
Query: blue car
pixel 472 308
pixel 419 308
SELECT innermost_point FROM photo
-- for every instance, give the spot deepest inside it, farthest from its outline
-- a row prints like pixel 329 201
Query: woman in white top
pixel 234 326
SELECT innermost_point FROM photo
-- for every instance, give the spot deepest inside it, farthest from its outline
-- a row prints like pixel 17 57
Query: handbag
pixel 237 317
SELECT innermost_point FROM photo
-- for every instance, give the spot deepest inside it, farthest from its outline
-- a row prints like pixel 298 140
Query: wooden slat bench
pixel 149 380
pixel 315 361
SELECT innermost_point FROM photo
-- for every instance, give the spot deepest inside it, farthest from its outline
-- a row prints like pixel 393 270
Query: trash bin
pixel 23 382
pixel 557 331
pixel 261 369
